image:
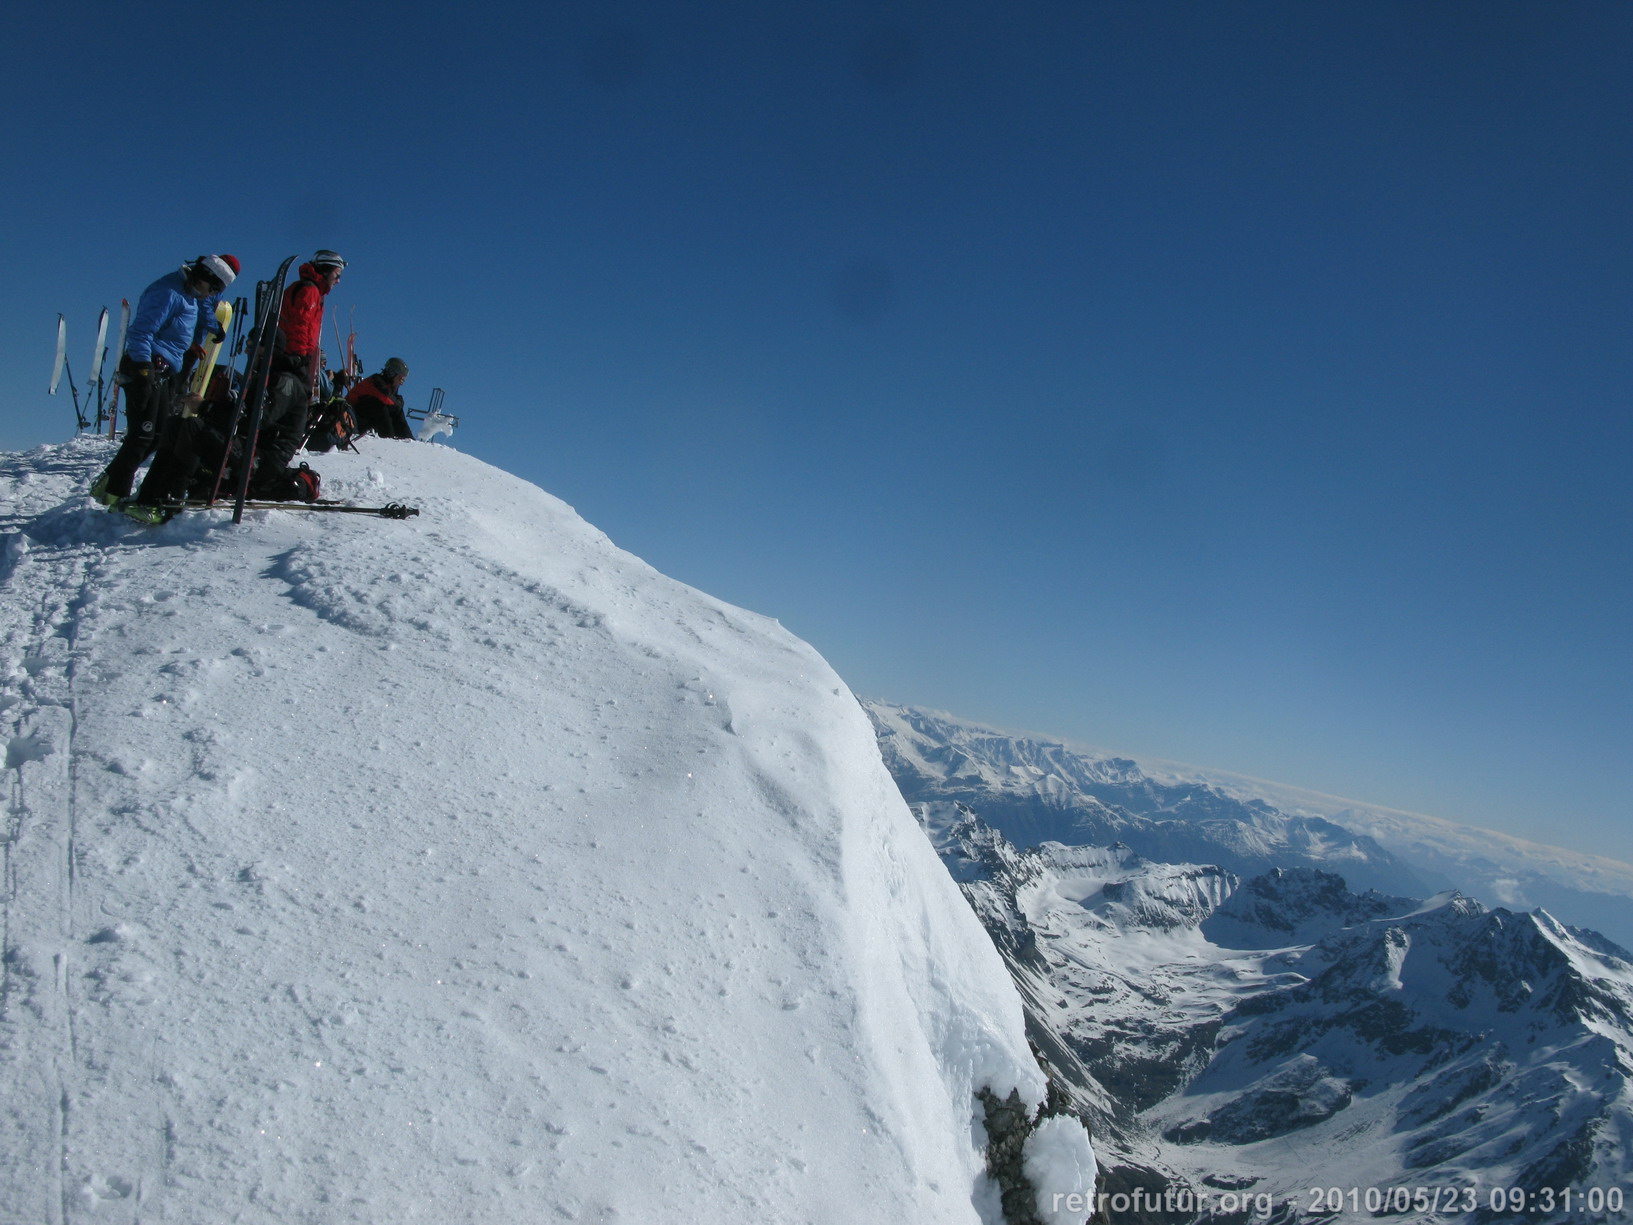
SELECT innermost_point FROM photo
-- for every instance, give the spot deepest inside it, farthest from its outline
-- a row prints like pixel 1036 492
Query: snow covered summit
pixel 462 869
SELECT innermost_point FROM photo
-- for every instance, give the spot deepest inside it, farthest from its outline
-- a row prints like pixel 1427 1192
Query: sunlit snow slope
pixel 462 869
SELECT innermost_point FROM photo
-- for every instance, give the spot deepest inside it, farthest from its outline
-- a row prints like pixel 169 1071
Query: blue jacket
pixel 163 323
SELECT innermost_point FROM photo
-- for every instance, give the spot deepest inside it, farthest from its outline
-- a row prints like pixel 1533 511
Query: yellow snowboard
pixel 212 348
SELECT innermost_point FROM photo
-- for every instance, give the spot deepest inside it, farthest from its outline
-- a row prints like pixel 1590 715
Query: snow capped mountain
pixel 1586 890
pixel 1261 1046
pixel 1283 908
pixel 1041 791
pixel 1453 1045
pixel 1282 1047
pixel 462 869
pixel 1036 790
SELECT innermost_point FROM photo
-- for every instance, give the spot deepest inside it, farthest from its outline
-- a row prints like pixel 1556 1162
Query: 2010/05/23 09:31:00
pixel 1390 1200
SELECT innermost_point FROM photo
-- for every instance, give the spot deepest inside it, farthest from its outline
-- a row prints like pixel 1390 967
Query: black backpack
pixel 333 425
pixel 288 485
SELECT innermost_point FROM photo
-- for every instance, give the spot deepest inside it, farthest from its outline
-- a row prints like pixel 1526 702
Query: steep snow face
pixel 459 869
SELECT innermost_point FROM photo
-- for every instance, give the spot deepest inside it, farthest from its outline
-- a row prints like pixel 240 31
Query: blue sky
pixel 1239 383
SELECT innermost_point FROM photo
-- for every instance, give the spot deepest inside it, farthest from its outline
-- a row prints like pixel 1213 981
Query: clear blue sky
pixel 1240 383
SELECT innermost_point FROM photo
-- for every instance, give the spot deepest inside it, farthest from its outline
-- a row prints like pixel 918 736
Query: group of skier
pixel 194 437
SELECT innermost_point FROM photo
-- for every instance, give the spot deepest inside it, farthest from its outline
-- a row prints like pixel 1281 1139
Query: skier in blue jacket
pixel 164 326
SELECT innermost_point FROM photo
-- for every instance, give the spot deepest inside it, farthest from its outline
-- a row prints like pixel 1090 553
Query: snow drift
pixel 462 869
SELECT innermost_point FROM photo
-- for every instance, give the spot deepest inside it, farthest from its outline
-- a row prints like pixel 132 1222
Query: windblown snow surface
pixel 462 869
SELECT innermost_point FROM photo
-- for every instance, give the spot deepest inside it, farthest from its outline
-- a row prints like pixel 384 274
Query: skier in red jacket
pixel 295 362
pixel 300 326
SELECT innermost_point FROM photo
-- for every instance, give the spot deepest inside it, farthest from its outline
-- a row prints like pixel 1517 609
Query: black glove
pixel 218 334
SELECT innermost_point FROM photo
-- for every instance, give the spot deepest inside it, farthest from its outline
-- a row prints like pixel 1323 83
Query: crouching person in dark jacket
pixel 377 401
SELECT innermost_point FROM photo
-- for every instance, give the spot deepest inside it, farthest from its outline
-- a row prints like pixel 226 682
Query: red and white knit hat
pixel 223 268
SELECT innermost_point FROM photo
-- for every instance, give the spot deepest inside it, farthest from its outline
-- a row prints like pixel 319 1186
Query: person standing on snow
pixel 295 360
pixel 378 401
pixel 164 326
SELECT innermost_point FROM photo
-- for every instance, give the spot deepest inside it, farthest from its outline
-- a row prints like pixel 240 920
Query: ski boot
pixel 144 512
pixel 100 494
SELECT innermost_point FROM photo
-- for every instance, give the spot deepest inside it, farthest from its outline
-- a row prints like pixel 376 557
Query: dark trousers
pixel 384 417
pixel 148 401
pixel 191 448
pixel 283 425
pixel 188 458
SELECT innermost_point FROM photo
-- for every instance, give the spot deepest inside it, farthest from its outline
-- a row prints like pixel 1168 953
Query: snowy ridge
pixel 457 870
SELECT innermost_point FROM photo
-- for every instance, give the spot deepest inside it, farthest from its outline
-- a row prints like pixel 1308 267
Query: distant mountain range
pixel 1267 1026
pixel 1035 789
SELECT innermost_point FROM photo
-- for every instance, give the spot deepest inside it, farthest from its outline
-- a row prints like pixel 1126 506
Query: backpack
pixel 333 425
pixel 289 485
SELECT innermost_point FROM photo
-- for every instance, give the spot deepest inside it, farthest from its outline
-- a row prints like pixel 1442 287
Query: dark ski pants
pixel 386 420
pixel 283 427
pixel 190 451
pixel 148 402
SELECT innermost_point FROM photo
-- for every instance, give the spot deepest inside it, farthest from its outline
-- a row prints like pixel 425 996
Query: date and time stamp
pixel 1442 1202
pixel 1542 1202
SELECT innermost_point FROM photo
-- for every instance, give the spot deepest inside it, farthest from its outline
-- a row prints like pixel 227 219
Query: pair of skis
pixel 252 392
pixel 95 388
pixel 347 349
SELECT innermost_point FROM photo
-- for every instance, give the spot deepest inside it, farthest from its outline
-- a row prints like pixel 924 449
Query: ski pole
pixel 68 367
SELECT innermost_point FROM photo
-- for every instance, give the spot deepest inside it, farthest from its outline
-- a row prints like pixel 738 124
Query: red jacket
pixel 379 409
pixel 370 389
pixel 302 319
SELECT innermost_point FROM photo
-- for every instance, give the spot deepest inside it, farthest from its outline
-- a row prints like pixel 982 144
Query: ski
pixel 348 348
pixel 212 351
pixel 265 346
pixel 62 353
pixel 99 354
pixel 119 355
pixel 64 366
pixel 257 369
pixel 153 516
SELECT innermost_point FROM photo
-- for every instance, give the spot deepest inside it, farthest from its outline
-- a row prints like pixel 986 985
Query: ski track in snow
pixel 48 955
pixel 462 869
